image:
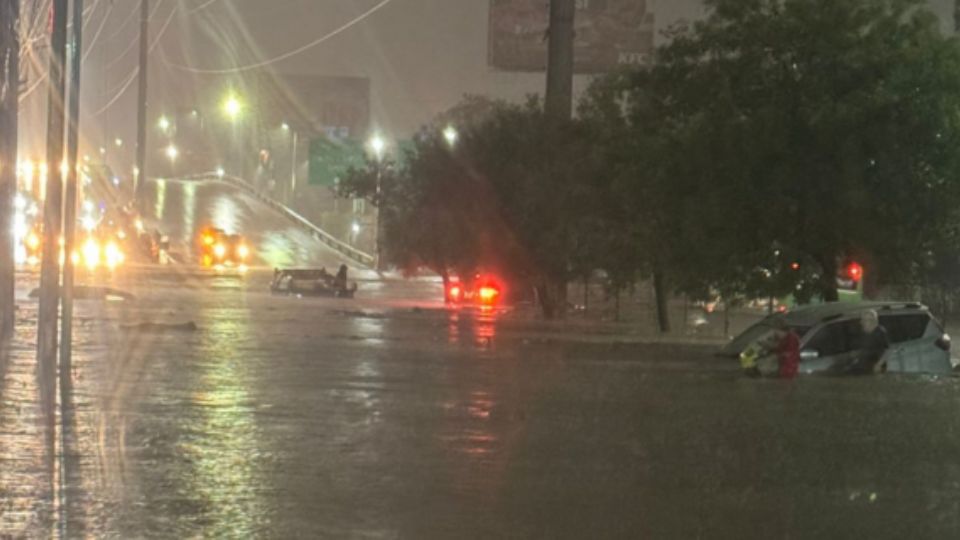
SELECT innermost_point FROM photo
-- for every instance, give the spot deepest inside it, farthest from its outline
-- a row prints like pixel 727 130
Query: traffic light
pixel 855 271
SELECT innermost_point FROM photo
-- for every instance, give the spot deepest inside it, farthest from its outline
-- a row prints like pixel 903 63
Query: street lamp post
pixel 378 145
pixel 295 140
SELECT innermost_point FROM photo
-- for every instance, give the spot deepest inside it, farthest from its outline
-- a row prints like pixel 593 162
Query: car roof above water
pixel 811 315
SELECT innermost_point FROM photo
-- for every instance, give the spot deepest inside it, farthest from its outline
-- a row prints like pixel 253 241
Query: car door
pixel 913 347
pixel 836 344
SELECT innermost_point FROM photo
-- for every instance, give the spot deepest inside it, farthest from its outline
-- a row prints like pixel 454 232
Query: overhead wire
pixel 239 69
pixel 34 34
pixel 39 35
pixel 201 7
pixel 127 19
pixel 133 73
pixel 119 94
pixel 96 35
pixel 135 39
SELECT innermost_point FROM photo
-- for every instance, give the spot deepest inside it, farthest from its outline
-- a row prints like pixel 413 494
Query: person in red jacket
pixel 787 348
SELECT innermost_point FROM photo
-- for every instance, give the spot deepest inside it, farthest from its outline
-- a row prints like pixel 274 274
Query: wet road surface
pixel 181 208
pixel 390 417
pixel 293 418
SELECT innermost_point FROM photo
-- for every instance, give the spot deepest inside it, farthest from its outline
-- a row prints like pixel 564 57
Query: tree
pixel 821 128
pixel 512 195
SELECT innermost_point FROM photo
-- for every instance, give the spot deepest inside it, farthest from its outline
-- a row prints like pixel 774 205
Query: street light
pixel 293 157
pixel 220 172
pixel 164 124
pixel 118 142
pixel 378 145
pixel 451 135
pixel 172 152
pixel 232 107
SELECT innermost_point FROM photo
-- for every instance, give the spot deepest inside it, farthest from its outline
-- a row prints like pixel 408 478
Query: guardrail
pixel 319 234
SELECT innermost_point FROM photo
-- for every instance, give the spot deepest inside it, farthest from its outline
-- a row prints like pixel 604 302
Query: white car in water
pixel 831 337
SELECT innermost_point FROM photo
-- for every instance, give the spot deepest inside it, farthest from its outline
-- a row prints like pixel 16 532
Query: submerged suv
pixel 830 337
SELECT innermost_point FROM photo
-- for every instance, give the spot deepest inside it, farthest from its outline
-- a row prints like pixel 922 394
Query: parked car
pixel 830 336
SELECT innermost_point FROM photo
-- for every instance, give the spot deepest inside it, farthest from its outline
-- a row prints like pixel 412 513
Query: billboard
pixel 338 107
pixel 608 34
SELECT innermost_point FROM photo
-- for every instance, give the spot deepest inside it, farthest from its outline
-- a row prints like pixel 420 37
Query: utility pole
pixel 9 109
pixel 559 98
pixel 52 215
pixel 70 204
pixel 140 173
pixel 558 106
pixel 956 16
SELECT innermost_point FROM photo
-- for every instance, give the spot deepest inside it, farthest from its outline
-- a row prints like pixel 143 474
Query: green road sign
pixel 330 160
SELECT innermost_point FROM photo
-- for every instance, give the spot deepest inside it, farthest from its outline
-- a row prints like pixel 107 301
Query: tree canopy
pixel 766 145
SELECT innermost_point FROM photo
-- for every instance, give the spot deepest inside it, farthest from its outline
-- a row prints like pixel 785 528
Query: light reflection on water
pixel 189 207
pixel 225 460
pixel 161 204
pixel 255 428
pixel 225 214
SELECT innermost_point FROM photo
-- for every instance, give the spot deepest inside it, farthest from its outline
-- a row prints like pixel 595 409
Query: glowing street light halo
pixel 451 135
pixel 232 107
pixel 378 145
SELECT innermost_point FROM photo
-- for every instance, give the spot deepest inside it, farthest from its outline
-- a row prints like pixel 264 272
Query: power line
pixel 136 39
pixel 127 19
pixel 202 6
pixel 133 74
pixel 119 94
pixel 39 35
pixel 286 55
pixel 96 35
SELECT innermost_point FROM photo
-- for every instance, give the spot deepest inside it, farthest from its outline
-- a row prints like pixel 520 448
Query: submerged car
pixel 831 337
pixel 310 282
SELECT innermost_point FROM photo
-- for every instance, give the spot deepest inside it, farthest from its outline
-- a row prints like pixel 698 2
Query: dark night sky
pixel 421 56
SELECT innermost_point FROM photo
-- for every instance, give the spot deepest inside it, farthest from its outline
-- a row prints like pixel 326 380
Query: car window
pixel 902 328
pixel 836 338
pixel 758 332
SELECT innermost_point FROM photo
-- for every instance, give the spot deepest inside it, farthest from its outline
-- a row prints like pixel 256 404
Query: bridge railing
pixel 319 234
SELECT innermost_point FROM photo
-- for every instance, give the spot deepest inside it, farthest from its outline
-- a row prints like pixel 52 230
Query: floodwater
pixel 390 417
pixel 297 418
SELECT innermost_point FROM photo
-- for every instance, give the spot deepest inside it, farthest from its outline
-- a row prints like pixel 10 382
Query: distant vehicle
pixel 310 282
pixel 220 250
pixel 830 336
pixel 97 249
pixel 482 290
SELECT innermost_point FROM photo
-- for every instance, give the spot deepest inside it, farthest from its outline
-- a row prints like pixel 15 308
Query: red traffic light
pixel 855 271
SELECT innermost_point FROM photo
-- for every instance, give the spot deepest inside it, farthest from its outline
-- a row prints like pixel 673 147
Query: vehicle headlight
pixel 91 253
pixel 243 252
pixel 113 255
pixel 33 241
pixel 219 250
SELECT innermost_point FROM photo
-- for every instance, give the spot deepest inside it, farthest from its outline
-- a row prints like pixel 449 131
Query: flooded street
pixel 295 418
pixel 206 407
